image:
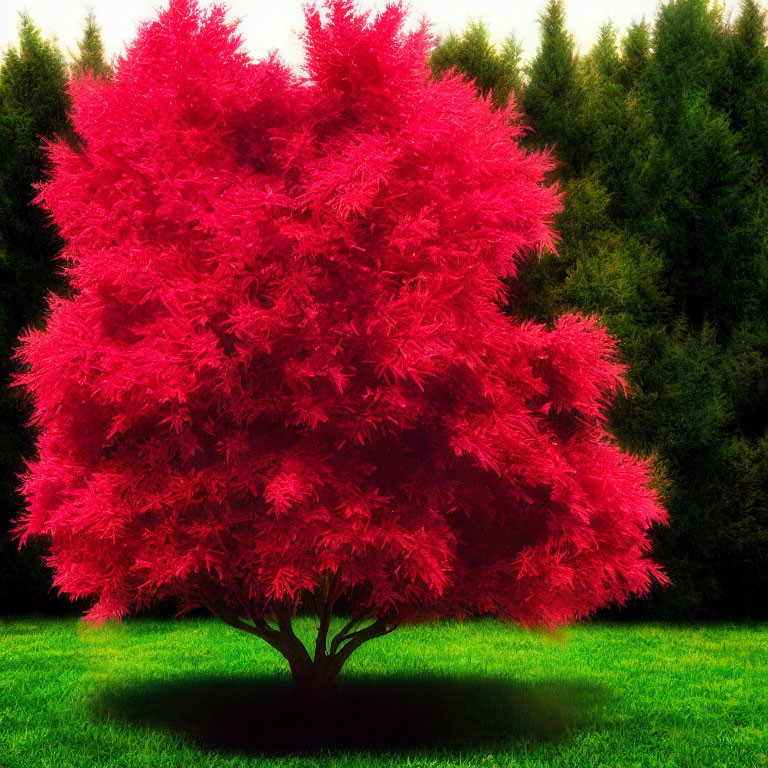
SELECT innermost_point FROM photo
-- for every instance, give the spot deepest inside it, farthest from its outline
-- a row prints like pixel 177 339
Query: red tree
pixel 284 378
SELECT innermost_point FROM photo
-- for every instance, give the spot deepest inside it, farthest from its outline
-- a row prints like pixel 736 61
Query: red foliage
pixel 284 358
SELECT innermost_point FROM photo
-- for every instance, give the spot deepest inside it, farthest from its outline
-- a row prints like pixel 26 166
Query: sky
pixel 272 24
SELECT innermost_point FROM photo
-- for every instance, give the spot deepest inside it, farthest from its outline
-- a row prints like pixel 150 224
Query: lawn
pixel 196 693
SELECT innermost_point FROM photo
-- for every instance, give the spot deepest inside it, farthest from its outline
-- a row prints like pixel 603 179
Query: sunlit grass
pixel 196 693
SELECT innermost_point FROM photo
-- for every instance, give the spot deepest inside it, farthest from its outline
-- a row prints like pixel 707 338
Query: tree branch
pixel 285 643
pixel 344 632
pixel 356 639
pixel 285 621
pixel 324 601
pixel 229 617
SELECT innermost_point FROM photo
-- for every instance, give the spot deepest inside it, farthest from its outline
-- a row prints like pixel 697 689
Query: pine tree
pixel 703 217
pixel 90 57
pixel 741 88
pixel 33 106
pixel 552 100
pixel 707 224
pixel 512 61
pixel 605 53
pixel 473 54
pixel 687 40
pixel 603 108
pixel 635 54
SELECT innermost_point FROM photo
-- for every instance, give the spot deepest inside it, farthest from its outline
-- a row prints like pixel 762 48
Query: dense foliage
pixel 662 143
pixel 90 58
pixel 284 378
pixel 33 104
pixel 497 74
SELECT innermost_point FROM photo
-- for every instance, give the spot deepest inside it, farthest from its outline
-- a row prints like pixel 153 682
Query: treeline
pixel 34 106
pixel 661 142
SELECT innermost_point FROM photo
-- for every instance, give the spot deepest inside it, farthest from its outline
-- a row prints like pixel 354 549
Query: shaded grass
pixel 395 713
pixel 196 693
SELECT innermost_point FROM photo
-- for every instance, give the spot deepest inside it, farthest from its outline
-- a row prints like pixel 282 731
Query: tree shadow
pixel 390 714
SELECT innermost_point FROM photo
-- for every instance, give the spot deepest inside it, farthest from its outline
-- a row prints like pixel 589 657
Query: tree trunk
pixel 315 683
pixel 314 678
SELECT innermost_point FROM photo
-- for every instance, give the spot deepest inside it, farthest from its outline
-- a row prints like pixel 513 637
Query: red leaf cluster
pixel 284 358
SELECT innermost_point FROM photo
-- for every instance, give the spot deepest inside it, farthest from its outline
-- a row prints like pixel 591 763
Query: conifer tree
pixel 635 54
pixel 636 167
pixel 741 89
pixel 33 106
pixel 603 107
pixel 90 57
pixel 703 217
pixel 686 41
pixel 605 53
pixel 473 54
pixel 512 59
pixel 706 221
pixel 552 97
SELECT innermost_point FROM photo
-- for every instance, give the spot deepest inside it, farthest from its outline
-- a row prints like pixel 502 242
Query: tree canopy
pixel 284 378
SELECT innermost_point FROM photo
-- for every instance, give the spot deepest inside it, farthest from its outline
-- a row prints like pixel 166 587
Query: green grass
pixel 196 693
